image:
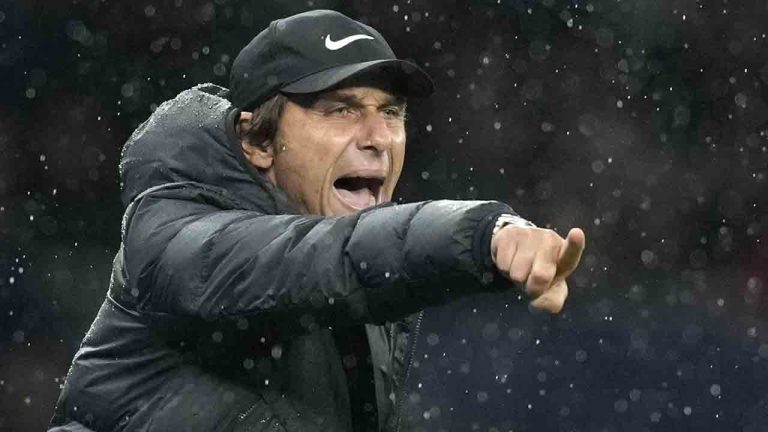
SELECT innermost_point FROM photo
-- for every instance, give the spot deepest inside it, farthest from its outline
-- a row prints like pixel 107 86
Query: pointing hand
pixel 540 259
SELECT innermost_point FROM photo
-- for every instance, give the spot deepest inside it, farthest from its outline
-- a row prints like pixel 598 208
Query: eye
pixel 341 110
pixel 394 112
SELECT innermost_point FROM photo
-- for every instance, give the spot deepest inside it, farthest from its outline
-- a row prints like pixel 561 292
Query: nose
pixel 375 133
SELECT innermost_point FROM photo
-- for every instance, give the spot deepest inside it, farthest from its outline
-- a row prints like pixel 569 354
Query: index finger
pixel 570 254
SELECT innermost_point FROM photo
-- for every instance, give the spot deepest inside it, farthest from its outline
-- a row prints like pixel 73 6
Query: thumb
pixel 570 254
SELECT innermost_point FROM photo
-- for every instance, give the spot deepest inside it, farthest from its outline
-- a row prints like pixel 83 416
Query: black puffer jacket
pixel 227 311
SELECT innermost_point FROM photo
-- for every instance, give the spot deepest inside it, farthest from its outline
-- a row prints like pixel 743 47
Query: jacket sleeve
pixel 185 255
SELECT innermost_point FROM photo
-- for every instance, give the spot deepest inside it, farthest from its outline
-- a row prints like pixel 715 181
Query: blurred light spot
pixel 763 351
pixel 482 397
pixel 741 100
pixel 620 406
pixel 433 339
pixel 127 90
pixel 277 352
pixel 598 166
pixel 581 356
pixel 648 258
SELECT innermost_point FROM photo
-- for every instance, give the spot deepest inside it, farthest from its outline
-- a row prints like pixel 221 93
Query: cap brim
pixel 406 77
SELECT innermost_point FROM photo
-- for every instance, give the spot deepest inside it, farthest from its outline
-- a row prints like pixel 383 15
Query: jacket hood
pixel 192 138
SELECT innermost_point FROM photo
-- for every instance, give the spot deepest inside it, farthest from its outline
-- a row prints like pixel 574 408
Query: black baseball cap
pixel 313 51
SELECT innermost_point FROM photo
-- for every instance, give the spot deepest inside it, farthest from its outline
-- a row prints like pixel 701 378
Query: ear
pixel 260 155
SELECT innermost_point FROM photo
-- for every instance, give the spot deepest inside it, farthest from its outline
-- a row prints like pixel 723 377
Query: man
pixel 264 282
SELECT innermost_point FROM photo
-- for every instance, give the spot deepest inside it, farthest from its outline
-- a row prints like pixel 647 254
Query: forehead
pixel 368 94
pixel 380 84
pixel 351 94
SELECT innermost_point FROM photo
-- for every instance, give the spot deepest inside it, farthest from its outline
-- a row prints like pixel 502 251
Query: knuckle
pixel 502 263
pixel 514 233
pixel 505 238
pixel 505 244
pixel 554 235
pixel 553 240
pixel 518 275
pixel 519 232
pixel 540 277
pixel 534 290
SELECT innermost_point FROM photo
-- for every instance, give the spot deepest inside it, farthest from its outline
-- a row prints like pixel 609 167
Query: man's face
pixel 342 151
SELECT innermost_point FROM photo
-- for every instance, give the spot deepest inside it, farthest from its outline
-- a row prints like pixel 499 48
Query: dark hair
pixel 263 126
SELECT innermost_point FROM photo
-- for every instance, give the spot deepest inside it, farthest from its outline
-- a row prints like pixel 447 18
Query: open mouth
pixel 358 192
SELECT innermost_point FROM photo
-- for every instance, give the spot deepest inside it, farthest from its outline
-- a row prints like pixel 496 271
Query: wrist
pixel 505 219
pixel 489 226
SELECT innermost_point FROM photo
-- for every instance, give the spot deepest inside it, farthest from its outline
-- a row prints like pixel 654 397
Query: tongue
pixel 358 198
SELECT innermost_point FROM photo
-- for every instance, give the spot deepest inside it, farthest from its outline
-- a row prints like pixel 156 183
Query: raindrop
pixel 433 339
pixel 647 257
pixel 127 90
pixel 219 69
pixel 620 406
pixel 581 356
pixel 763 351
pixel 277 352
pixel 741 100
pixel 598 166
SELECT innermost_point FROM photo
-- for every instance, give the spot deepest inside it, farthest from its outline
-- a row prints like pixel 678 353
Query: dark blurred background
pixel 644 122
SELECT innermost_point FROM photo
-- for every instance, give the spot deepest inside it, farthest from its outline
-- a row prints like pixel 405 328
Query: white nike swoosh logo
pixel 341 43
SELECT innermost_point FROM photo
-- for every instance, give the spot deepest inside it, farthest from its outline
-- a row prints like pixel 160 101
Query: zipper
pixel 245 413
pixel 411 356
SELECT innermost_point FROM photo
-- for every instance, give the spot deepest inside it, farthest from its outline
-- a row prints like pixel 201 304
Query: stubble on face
pixel 342 153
